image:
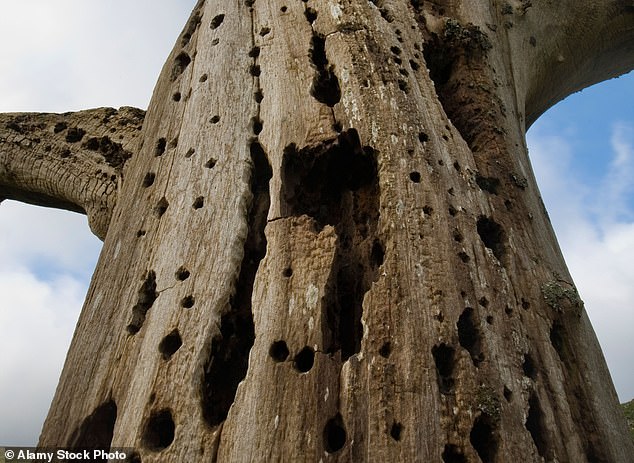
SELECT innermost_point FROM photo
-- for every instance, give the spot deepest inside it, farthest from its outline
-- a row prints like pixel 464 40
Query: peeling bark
pixel 331 246
pixel 69 161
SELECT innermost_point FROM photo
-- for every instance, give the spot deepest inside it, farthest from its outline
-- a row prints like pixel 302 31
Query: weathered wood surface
pixel 68 161
pixel 342 254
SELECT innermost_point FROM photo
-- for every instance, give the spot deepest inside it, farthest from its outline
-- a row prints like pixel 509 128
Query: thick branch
pixel 68 161
pixel 562 47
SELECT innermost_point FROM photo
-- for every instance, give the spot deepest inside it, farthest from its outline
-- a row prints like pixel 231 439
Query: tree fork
pixel 345 186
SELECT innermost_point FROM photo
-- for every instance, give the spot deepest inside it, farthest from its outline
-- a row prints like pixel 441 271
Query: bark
pixel 69 161
pixel 343 255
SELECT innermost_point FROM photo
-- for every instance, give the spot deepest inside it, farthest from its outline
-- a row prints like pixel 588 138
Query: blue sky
pixel 587 120
pixel 582 152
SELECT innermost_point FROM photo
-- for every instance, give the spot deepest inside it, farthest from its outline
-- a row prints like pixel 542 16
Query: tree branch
pixel 564 46
pixel 69 161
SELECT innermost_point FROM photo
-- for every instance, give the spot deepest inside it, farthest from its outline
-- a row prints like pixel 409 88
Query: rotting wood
pixel 333 201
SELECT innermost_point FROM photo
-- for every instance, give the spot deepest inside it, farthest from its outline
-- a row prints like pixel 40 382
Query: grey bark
pixel 69 161
pixel 342 254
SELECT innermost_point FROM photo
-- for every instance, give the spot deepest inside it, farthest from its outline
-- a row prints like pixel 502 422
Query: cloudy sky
pixel 68 55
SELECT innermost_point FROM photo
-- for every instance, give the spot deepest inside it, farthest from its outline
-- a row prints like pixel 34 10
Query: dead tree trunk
pixel 328 244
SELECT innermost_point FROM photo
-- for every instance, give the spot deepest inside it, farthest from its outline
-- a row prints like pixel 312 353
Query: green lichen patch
pixel 562 297
pixel 519 181
pixel 488 403
pixel 469 36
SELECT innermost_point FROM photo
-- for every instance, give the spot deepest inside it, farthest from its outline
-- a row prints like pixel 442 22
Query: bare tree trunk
pixel 331 247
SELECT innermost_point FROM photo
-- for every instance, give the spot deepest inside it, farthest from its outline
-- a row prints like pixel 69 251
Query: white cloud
pixel 596 235
pixel 61 56
pixel 46 259
pixel 68 55
pixel 618 184
pixel 42 238
pixel 37 321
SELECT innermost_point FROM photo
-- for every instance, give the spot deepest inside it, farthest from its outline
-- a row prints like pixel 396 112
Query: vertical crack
pixel 228 359
pixel 325 86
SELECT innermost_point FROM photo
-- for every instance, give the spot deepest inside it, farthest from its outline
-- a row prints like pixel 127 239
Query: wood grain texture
pixel 343 254
pixel 68 161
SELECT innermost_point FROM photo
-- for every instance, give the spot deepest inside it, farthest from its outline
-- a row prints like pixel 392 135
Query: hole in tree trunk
pixel 146 296
pixel 182 274
pixel 256 124
pixel 217 21
pixel 316 178
pixel 469 335
pixel 396 430
pixel 557 338
pixel 149 179
pixel 304 360
pixel 75 134
pixel 386 350
pixel 452 454
pixel 488 184
pixel 325 88
pixel 576 390
pixel 199 202
pixel 170 344
pixel 161 207
pixel 279 351
pixel 180 64
pixel 159 431
pixel 457 236
pixel 161 144
pixel 190 28
pixel 227 366
pixel 310 14
pixel 335 434
pixel 535 425
pixel 528 366
pixel 484 439
pixel 97 429
pixel 492 235
pixel 188 302
pixel 254 52
pixel 377 255
pixel 444 360
pixel 336 183
pixel 453 58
